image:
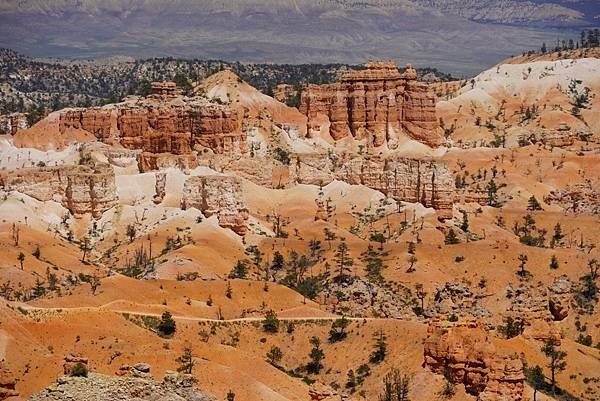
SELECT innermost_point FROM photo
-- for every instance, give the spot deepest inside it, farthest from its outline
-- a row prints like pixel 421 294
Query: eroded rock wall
pixel 166 132
pixel 219 195
pixel 81 189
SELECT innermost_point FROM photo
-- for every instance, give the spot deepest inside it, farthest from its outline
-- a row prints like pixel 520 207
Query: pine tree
pixel 338 330
pixel 554 262
pixel 240 270
pixel 274 355
pixel 395 387
pixel 533 204
pixel 536 379
pixel 372 259
pixel 186 361
pixel 316 356
pixel 451 238
pixel 167 325
pixel 557 236
pixel 556 361
pixel 380 351
pixel 271 323
pixel 343 261
pixel 21 259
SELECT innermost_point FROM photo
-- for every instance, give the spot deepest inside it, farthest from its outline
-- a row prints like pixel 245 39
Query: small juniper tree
pixel 421 294
pixel 451 238
pixel 131 231
pixel 94 283
pixel 522 262
pixel 228 290
pixel 554 262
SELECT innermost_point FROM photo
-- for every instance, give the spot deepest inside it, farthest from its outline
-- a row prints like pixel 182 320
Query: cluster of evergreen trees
pixel 587 39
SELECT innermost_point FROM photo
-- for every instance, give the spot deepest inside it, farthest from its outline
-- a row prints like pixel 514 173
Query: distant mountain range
pixel 459 36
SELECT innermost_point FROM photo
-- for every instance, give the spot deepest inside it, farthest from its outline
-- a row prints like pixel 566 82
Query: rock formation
pixel 71 361
pixel 321 392
pixel 465 352
pixel 80 188
pixel 560 296
pixel 426 181
pixel 159 187
pixel 97 387
pixel 7 385
pixel 12 123
pixel 582 197
pixel 377 103
pixel 166 128
pixel 455 299
pixel 219 195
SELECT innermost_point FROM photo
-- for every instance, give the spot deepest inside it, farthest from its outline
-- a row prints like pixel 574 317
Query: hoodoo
pixel 377 103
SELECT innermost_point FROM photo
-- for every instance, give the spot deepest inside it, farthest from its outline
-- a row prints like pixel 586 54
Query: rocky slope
pixel 97 387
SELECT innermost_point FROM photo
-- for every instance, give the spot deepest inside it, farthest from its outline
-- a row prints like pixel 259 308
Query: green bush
pixel 79 370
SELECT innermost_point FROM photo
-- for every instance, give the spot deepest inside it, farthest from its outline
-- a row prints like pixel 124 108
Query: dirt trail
pixel 196 319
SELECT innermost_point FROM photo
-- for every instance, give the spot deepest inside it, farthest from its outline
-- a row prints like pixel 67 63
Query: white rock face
pixel 219 195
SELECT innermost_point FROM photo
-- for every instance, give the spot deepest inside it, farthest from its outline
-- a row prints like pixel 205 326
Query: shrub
pixel 79 370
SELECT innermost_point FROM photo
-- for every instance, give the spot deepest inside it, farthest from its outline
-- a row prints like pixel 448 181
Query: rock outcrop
pixel 167 129
pixel 12 123
pixel 159 187
pixel 97 387
pixel 81 188
pixel 8 384
pixel 464 352
pixel 321 392
pixel 426 181
pixel 560 295
pixel 378 103
pixel 219 195
pixel 582 197
pixel 455 299
pixel 71 361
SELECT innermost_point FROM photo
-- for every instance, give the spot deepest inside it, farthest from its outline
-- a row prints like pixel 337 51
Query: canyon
pixel 437 236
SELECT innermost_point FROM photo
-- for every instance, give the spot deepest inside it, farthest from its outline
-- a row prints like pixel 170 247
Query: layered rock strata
pixel 81 188
pixel 463 352
pixel 426 181
pixel 219 195
pixel 377 103
pixel 167 129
